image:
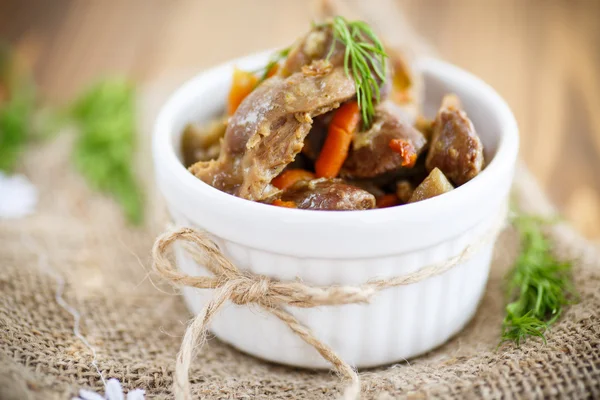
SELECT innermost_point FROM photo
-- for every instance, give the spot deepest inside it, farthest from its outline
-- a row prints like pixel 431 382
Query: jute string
pixel 245 288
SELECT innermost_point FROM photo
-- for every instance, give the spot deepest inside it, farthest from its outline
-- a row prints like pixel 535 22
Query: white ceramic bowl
pixel 329 247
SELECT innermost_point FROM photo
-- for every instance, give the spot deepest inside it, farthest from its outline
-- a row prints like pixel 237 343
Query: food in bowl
pixel 344 248
pixel 332 123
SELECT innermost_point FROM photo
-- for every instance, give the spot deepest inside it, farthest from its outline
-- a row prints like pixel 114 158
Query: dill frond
pixel 539 286
pixel 17 104
pixel 104 150
pixel 364 61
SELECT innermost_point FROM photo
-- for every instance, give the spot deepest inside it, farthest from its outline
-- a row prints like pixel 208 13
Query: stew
pixel 332 123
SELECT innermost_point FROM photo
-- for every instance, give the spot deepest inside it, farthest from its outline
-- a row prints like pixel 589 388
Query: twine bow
pixel 244 288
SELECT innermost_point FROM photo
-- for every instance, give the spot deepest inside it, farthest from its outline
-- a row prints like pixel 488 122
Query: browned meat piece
pixel 434 185
pixel 372 155
pixel 268 130
pixel 455 148
pixel 328 194
pixel 368 185
pixel 317 67
pixel 314 46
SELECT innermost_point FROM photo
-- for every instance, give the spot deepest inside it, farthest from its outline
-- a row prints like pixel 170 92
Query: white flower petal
pixel 89 395
pixel 137 394
pixel 18 197
pixel 114 390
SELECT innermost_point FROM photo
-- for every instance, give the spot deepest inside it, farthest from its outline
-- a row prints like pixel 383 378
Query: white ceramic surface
pixel 328 247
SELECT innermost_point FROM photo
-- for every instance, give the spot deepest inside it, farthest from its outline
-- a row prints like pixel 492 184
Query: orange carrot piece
pixel 387 200
pixel 283 203
pixel 273 70
pixel 288 177
pixel 406 150
pixel 242 85
pixel 339 136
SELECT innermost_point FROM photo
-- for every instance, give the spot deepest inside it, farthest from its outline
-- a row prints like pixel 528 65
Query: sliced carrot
pixel 406 150
pixel 339 136
pixel 273 70
pixel 283 203
pixel 387 200
pixel 242 85
pixel 288 177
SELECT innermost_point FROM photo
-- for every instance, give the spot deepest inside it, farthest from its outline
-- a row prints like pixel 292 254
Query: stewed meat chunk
pixel 455 147
pixel 373 154
pixel 315 45
pixel 268 130
pixel 328 194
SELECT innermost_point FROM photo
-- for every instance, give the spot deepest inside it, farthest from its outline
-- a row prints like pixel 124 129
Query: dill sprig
pixel 364 61
pixel 538 286
pixel 104 150
pixel 17 103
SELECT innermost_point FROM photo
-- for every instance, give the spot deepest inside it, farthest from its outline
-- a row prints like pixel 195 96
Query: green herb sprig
pixel 104 150
pixel 364 61
pixel 275 59
pixel 17 103
pixel 539 286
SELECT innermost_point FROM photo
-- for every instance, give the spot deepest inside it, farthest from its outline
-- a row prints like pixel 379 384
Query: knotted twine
pixel 243 287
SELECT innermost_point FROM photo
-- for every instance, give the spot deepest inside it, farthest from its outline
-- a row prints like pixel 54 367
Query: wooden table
pixel 543 56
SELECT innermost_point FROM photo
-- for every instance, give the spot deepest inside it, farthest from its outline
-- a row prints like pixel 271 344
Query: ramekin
pixel 328 247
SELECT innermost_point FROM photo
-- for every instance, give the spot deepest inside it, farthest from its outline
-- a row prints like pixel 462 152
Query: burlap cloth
pixel 136 328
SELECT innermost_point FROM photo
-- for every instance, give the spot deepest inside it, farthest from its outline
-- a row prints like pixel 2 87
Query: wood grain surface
pixel 543 56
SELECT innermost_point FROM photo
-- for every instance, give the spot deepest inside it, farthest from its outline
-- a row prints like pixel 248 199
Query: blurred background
pixel 543 56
